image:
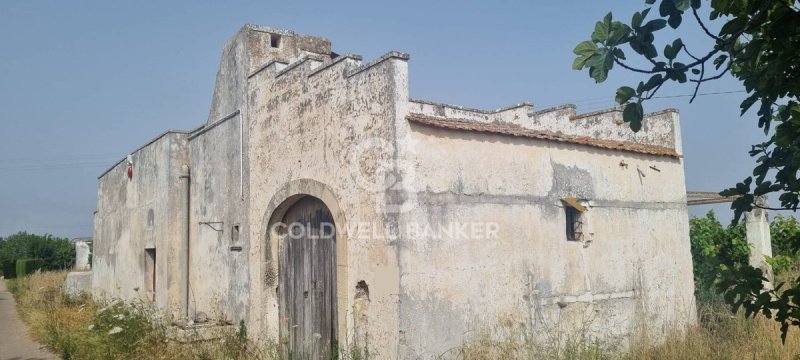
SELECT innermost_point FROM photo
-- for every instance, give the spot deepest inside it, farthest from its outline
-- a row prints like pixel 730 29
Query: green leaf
pixel 720 60
pixel 579 62
pixel 666 8
pixel 619 54
pixel 650 51
pixel 733 26
pixel 696 71
pixel 747 103
pixel 624 94
pixel 677 44
pixel 675 20
pixel 638 17
pixel 600 33
pixel 619 32
pixel 602 29
pixel 654 25
pixel 670 52
pixel 654 81
pixel 682 5
pixel 633 114
pixel 599 64
pixel 636 20
pixel 680 76
pixel 585 48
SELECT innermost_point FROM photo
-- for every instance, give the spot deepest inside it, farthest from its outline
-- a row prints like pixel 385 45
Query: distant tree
pixel 715 248
pixel 58 253
pixel 785 233
pixel 759 44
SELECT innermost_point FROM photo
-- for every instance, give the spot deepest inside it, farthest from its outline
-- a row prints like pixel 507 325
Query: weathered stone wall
pixel 218 262
pixel 309 126
pixel 634 266
pixel 137 214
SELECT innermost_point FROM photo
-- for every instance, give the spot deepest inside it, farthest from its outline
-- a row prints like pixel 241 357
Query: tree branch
pixel 700 81
pixel 773 209
pixel 715 77
pixel 620 63
pixel 655 90
pixel 697 17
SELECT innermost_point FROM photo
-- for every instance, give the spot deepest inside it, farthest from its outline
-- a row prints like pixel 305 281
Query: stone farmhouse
pixel 421 224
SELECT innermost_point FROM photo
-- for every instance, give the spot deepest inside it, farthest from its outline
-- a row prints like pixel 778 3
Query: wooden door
pixel 308 281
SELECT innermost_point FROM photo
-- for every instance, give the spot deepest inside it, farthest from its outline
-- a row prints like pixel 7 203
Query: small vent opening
pixel 274 40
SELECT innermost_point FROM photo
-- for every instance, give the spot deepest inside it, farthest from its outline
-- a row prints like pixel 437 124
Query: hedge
pixel 27 266
pixel 9 270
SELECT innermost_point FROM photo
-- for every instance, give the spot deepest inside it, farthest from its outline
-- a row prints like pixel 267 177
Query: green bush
pixel 9 269
pixel 715 248
pixel 57 253
pixel 27 266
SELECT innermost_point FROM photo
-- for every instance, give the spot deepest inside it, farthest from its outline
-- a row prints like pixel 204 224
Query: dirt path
pixel 15 343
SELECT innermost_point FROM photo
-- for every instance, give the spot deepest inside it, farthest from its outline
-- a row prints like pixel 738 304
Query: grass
pixel 79 328
pixel 719 335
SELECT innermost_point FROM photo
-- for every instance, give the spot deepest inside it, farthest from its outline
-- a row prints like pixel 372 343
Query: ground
pixel 15 342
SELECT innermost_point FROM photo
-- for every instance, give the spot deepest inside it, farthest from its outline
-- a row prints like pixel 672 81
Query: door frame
pixel 267 309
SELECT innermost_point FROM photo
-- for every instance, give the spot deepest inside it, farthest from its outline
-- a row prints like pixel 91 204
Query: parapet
pixel 660 133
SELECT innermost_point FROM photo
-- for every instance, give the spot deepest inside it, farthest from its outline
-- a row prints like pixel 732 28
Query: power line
pixel 699 94
pixel 594 102
pixel 56 160
pixel 82 165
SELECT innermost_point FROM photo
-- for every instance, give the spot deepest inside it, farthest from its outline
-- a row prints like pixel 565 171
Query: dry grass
pixel 720 335
pixel 723 335
pixel 79 329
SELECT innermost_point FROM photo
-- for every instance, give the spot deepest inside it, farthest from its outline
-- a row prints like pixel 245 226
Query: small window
pixel 274 40
pixel 150 274
pixel 573 223
pixel 573 211
pixel 235 234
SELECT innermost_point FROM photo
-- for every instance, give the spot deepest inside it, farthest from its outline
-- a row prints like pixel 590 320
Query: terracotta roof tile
pixel 516 130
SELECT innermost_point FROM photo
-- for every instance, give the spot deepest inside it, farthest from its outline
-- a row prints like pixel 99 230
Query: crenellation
pixel 512 113
pixel 354 60
pixel 613 111
pixel 382 58
pixel 311 61
pixel 274 65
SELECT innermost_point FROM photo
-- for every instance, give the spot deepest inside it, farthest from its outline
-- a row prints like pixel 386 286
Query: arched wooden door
pixel 308 281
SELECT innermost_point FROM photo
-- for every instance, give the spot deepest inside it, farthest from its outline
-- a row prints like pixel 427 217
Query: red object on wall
pixel 130 171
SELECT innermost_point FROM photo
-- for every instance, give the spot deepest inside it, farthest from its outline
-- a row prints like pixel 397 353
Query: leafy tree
pixel 785 233
pixel 759 44
pixel 715 249
pixel 58 253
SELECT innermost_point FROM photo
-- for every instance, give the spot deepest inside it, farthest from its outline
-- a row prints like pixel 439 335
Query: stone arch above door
pixel 281 201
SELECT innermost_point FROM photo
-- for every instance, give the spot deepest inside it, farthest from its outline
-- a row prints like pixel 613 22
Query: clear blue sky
pixel 82 83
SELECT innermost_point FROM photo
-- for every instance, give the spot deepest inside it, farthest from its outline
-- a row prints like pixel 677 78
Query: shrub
pixel 27 266
pixel 9 269
pixel 57 253
pixel 715 248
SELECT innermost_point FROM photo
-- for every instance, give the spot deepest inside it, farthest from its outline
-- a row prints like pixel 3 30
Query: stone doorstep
pixel 198 332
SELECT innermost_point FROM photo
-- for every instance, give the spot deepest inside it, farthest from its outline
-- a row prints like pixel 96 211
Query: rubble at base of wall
pixel 77 283
pixel 199 332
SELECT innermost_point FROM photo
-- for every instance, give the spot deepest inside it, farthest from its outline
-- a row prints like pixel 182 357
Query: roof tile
pixel 518 131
